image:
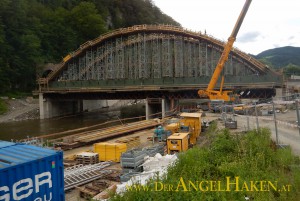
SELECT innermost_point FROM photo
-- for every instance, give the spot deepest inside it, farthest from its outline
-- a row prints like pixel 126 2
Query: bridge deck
pixel 153 58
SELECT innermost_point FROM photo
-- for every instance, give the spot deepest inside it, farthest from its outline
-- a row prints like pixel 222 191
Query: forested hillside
pixel 285 58
pixel 36 32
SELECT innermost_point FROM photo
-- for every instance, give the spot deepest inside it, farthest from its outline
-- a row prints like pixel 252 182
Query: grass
pixel 3 107
pixel 250 157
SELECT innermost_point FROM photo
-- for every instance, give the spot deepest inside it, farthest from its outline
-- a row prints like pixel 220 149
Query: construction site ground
pixel 286 134
pixel 143 142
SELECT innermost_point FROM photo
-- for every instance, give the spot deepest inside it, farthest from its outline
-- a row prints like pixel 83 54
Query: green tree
pixel 291 69
pixel 36 32
pixel 58 37
pixel 86 21
pixel 4 81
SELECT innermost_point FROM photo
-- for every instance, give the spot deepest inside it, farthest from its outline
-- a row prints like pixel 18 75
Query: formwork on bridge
pixel 153 56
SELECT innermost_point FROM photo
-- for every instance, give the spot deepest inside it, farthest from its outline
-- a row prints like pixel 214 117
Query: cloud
pixel 248 37
pixel 291 37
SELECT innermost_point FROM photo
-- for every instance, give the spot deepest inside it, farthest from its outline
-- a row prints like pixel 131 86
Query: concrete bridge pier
pixel 53 108
pixel 90 105
pixel 159 106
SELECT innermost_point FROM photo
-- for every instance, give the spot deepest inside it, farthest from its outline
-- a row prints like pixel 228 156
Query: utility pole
pixel 248 126
pixel 257 125
pixel 275 122
pixel 233 114
pixel 298 117
pixel 225 116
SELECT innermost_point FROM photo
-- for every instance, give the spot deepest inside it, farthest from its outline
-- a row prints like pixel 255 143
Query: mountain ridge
pixel 280 57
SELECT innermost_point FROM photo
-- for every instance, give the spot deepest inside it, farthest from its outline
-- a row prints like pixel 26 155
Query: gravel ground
pixel 73 195
pixel 21 109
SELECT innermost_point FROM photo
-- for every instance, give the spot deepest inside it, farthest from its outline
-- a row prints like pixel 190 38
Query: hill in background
pixel 285 59
pixel 36 32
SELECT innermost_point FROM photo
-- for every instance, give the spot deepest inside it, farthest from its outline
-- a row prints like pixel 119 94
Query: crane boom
pixel 223 95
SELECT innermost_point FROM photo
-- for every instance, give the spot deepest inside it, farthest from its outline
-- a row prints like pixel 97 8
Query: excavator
pixel 220 94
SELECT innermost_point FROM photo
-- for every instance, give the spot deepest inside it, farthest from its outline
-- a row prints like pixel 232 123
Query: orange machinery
pixel 209 92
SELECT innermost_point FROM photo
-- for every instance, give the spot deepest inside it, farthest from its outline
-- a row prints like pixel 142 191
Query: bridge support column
pixel 52 108
pixel 280 93
pixel 163 108
pixel 173 104
pixel 167 105
pixel 159 105
pixel 42 106
pixel 148 109
pixel 153 106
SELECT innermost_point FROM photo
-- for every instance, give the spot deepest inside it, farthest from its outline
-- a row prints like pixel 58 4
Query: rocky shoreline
pixel 20 110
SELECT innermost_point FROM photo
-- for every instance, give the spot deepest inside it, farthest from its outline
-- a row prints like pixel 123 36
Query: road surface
pixel 286 134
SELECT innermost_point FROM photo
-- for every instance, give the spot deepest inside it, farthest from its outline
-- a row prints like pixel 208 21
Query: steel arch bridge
pixel 153 58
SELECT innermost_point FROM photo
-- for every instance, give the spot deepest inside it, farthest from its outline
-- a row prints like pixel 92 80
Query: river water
pixel 32 128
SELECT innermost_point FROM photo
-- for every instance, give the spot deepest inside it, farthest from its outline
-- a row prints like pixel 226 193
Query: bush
pixel 250 157
pixel 3 107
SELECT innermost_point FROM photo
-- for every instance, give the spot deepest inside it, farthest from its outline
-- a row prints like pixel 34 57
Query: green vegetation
pixel 282 57
pixel 228 158
pixel 36 32
pixel 291 70
pixel 3 107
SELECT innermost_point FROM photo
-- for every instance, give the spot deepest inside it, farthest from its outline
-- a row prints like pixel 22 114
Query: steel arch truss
pixel 151 55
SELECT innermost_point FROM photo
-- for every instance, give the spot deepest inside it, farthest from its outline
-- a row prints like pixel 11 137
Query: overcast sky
pixel 268 23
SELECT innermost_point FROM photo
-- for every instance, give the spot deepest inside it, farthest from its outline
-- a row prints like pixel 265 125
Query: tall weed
pixel 250 157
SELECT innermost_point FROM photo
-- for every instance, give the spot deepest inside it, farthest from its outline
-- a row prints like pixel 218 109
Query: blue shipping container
pixel 30 173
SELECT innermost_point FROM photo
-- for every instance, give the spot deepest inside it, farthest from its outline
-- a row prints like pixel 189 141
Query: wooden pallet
pixel 87 158
pixel 130 142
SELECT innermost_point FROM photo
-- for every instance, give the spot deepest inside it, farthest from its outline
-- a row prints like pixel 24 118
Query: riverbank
pixel 20 110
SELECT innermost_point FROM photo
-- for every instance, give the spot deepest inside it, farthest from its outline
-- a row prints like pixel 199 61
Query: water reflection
pixel 22 129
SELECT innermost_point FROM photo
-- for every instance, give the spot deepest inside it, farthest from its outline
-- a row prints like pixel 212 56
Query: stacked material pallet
pixel 104 195
pixel 110 151
pixel 126 177
pixel 65 146
pixel 152 151
pixel 69 163
pixel 87 158
pixel 92 189
pixel 131 160
pixel 131 142
pixel 229 123
pixel 126 170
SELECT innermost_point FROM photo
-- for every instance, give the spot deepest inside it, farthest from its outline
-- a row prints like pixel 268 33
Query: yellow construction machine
pixel 184 133
pixel 209 92
pixel 178 142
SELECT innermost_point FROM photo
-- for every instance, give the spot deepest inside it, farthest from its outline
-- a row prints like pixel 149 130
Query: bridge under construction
pixel 148 62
